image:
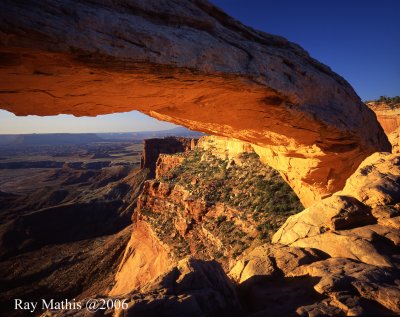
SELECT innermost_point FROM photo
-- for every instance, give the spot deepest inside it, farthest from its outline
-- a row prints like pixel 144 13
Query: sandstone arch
pixel 189 63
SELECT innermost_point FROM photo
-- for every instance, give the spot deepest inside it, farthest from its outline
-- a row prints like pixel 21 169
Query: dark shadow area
pixel 277 296
pixel 61 224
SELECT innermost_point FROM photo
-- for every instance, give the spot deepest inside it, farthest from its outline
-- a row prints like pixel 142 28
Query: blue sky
pixel 358 39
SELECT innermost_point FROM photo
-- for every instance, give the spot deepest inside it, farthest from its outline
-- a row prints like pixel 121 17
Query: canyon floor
pixel 64 213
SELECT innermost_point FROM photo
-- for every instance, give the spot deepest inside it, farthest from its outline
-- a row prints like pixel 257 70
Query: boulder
pixel 333 213
pixel 376 181
pixel 361 222
pixel 354 287
pixel 272 260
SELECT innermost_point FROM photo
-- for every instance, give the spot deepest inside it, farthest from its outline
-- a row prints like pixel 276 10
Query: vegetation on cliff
pixel 245 184
pixel 217 208
pixel 391 102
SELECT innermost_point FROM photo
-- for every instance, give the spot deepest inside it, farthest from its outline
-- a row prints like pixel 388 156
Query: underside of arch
pixel 188 63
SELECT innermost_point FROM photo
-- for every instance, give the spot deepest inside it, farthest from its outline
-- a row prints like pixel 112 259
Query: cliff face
pixel 338 257
pixel 211 203
pixel 170 145
pixel 388 115
pixel 189 63
pixel 165 163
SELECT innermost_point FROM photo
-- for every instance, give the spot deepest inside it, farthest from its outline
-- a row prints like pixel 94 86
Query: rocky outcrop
pixel 189 63
pixel 388 115
pixel 225 148
pixel 376 182
pixel 268 260
pixel 165 163
pixel 361 222
pixel 276 279
pixel 205 207
pixel 170 145
pixel 353 288
pixel 145 258
pixel 394 139
pixel 190 288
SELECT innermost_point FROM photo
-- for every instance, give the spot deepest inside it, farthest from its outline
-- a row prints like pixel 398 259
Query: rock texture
pixel 170 145
pixel 203 207
pixel 388 115
pixel 165 163
pixel 190 288
pixel 359 227
pixel 361 222
pixel 225 147
pixel 376 182
pixel 145 258
pixel 189 63
pixel 394 139
pixel 353 288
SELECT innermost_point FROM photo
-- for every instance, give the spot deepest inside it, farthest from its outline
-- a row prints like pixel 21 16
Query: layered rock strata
pixel 387 115
pixel 154 147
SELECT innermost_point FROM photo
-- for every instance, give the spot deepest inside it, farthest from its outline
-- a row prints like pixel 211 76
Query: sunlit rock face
pixel 189 63
pixel 361 222
pixel 394 139
pixel 387 114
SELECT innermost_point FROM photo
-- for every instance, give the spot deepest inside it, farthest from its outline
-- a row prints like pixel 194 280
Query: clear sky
pixel 358 39
pixel 119 122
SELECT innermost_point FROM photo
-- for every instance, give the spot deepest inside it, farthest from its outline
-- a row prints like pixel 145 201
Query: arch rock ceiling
pixel 189 63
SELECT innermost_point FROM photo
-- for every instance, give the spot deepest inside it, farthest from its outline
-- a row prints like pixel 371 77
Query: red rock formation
pixel 189 63
pixel 145 258
pixel 388 116
pixel 154 147
pixel 167 162
pixel 361 222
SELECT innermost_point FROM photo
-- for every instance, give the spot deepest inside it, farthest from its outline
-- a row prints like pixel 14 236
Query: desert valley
pixel 285 202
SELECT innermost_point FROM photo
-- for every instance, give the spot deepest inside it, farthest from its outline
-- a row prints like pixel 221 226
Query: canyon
pixel 217 234
pixel 64 224
pixel 264 100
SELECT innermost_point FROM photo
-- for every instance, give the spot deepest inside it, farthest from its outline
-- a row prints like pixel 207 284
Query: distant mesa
pixel 98 155
pixel 156 146
pixel 49 139
pixel 86 138
pixel 178 132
